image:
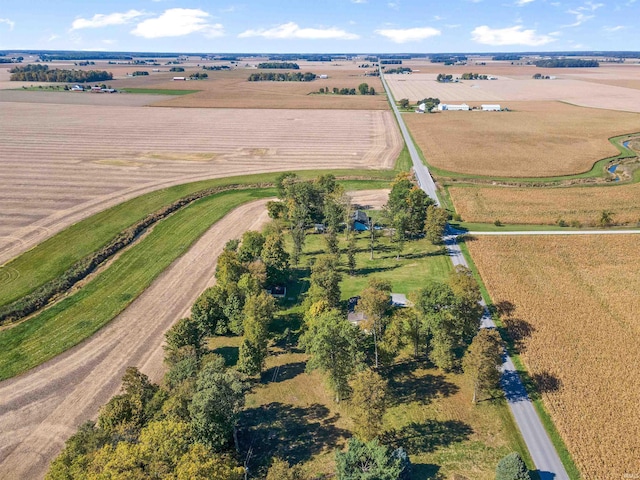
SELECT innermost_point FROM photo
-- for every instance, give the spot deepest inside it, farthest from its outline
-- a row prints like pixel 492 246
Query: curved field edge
pixel 552 431
pixel 54 256
pixel 597 170
pixel 80 315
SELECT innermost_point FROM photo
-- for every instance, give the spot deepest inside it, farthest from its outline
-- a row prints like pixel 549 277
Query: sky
pixel 320 26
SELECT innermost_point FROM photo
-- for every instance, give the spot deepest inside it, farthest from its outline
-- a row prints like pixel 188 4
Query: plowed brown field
pixel 547 206
pixel 536 139
pixel 62 163
pixel 578 299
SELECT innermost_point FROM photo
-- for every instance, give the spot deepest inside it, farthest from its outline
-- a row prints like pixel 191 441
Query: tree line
pixel 473 76
pixel 566 63
pixel 280 65
pixel 399 70
pixel 282 77
pixel 41 73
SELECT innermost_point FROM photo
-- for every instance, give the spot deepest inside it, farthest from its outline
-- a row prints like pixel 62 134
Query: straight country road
pixel 541 449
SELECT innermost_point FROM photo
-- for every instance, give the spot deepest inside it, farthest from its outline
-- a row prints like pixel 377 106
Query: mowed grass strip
pixel 55 255
pixel 79 316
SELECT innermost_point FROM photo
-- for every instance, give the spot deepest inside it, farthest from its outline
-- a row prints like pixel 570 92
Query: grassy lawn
pixel 78 316
pixel 158 91
pixel 290 413
pixel 56 254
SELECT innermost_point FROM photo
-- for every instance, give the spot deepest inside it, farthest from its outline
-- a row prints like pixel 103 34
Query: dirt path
pixel 42 408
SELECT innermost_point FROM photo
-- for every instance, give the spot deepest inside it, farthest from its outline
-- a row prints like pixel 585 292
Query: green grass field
pixel 55 255
pixel 290 413
pixel 78 316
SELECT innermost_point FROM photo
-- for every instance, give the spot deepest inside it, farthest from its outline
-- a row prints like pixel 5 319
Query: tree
pixel 363 88
pixel 367 461
pixel 483 360
pixel 606 218
pixel 375 301
pixel 216 404
pixel 413 327
pixel 334 346
pixel 281 470
pixel 404 102
pixel 185 332
pixel 324 281
pixel 352 249
pixel 512 467
pixel 298 237
pixel 400 224
pixel 208 310
pixel 417 203
pixel 275 258
pixel 251 246
pixel 435 224
pixel 199 463
pixel 258 314
pixel 229 268
pixel 369 403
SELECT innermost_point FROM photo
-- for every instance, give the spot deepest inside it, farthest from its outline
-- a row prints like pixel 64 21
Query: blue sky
pixel 381 26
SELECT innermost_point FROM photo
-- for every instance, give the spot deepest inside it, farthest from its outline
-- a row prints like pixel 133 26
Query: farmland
pixel 608 87
pixel 573 309
pixel 83 159
pixel 535 139
pixel 547 206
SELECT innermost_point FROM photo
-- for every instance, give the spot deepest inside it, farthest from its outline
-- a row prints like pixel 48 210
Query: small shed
pixel 179 79
pixel 491 108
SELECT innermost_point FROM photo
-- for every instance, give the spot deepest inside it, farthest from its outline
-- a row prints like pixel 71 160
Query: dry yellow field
pixel 62 163
pixel 580 297
pixel 536 139
pixel 546 206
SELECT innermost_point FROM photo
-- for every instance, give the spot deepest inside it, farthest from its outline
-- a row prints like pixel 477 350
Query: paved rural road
pixel 422 172
pixel 542 451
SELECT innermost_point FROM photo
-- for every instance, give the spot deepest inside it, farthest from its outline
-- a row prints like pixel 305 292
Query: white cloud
pixel 522 3
pixel 102 20
pixel 358 1
pixel 617 28
pixel 177 22
pixel 509 36
pixel 53 37
pixel 399 35
pixel 11 23
pixel 292 30
pixel 394 5
pixel 582 13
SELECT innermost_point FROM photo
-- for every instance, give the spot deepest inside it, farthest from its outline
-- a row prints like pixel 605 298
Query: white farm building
pixel 491 108
pixel 447 106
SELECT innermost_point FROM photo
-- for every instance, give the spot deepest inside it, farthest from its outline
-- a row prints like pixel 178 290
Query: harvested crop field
pixel 547 206
pixel 42 408
pixel 61 163
pixel 232 90
pixel 577 320
pixel 613 88
pixel 536 139
pixel 79 98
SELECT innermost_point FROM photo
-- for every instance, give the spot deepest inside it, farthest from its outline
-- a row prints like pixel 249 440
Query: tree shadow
pixel 545 382
pixel 405 386
pixel 417 438
pixel 369 271
pixel 283 372
pixel 292 433
pixel 513 387
pixel 230 355
pixel 519 331
pixel 425 471
pixel 504 308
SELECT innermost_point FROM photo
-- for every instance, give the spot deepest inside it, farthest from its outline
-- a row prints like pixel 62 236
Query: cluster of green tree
pixel 282 65
pixel 85 63
pixel 391 62
pixel 396 56
pixel 364 89
pixel 473 76
pixel 198 76
pixel 140 73
pixel 430 103
pixel 399 70
pixel 507 57
pixel 176 69
pixel 282 77
pixel 566 63
pixel 539 76
pixel 6 60
pixel 50 57
pixel 216 67
pixel 340 91
pixel 371 59
pixel 448 59
pixel 443 77
pixel 41 73
pixel 304 203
